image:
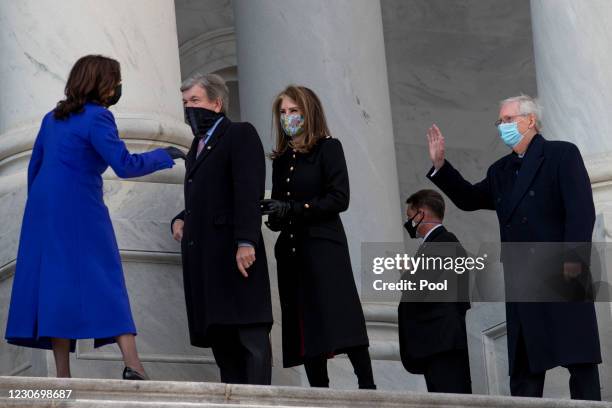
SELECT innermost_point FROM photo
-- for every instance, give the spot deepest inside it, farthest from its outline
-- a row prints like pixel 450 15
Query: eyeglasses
pixel 507 119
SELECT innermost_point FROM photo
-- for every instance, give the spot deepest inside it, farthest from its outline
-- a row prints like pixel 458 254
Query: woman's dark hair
pixel 93 78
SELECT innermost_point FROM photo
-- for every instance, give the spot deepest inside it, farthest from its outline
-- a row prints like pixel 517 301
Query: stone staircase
pixel 100 393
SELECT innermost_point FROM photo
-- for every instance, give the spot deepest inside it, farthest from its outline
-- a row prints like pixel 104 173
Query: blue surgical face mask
pixel 510 134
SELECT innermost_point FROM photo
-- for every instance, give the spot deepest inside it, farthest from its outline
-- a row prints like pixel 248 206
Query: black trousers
pixel 243 353
pixel 316 368
pixel 448 372
pixel 584 378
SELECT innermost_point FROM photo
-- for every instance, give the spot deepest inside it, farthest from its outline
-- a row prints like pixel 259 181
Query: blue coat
pixel 550 201
pixel 68 280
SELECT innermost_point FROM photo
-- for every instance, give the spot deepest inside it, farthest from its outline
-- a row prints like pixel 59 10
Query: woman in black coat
pixel 321 310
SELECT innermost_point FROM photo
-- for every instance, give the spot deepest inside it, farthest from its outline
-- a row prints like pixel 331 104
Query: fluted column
pixel 572 43
pixel 39 42
pixel 336 48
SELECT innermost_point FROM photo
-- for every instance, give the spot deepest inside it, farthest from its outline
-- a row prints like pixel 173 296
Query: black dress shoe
pixel 131 374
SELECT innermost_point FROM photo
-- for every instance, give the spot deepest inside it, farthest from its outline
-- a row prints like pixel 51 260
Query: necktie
pixel 200 147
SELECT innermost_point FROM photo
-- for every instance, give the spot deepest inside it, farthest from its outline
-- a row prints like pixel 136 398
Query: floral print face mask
pixel 293 123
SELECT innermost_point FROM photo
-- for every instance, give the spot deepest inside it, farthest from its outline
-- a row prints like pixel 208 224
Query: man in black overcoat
pixel 541 193
pixel 225 273
pixel 432 335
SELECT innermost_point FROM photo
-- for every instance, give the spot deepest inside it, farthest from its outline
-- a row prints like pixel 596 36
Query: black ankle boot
pixel 131 374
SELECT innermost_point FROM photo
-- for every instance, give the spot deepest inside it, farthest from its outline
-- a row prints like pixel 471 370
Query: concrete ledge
pixel 118 393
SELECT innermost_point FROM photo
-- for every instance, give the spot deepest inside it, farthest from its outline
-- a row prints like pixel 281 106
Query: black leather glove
pixel 175 153
pixel 280 209
pixel 274 223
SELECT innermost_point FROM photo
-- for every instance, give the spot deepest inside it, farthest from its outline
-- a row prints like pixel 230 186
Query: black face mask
pixel 412 229
pixel 116 96
pixel 201 119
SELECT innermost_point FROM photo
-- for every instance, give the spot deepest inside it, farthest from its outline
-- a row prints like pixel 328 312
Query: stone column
pixel 39 42
pixel 337 49
pixel 572 43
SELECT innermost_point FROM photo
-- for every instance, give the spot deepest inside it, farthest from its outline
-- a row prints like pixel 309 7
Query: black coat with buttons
pixel 549 200
pixel 321 310
pixel 223 187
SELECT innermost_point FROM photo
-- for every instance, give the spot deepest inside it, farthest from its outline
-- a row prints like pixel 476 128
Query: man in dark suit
pixel 432 335
pixel 225 273
pixel 541 193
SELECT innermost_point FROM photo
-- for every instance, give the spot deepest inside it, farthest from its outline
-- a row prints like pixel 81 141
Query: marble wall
pixel 450 63
pixel 39 41
pixel 571 46
pixel 446 62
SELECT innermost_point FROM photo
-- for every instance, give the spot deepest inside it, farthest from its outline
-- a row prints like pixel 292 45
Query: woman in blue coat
pixel 69 281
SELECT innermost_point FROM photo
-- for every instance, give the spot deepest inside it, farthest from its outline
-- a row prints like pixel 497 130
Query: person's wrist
pixel 438 164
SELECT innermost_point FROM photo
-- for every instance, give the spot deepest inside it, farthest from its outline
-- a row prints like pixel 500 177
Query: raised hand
pixel 436 146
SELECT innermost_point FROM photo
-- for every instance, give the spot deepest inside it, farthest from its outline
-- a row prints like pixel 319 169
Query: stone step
pixel 102 393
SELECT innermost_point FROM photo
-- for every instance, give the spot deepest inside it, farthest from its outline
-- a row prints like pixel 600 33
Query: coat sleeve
pixel 577 198
pixel 105 139
pixel 465 195
pixel 179 216
pixel 36 158
pixel 336 194
pixel 248 178
pixel 275 223
pixel 275 194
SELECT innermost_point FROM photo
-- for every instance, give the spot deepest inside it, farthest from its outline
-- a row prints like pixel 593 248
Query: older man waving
pixel 542 194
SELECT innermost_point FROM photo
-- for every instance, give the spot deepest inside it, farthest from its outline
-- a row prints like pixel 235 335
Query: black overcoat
pixel 550 200
pixel 321 310
pixel 426 328
pixel 223 187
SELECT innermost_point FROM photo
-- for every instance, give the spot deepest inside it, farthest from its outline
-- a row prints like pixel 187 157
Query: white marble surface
pixel 447 62
pixel 337 49
pixel 572 52
pixel 572 41
pixel 39 41
pixel 450 63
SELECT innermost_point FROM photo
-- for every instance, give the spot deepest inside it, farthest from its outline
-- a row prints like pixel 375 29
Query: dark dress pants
pixel 243 353
pixel 584 378
pixel 448 371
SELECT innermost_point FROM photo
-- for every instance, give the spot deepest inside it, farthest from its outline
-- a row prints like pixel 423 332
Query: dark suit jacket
pixel 549 201
pixel 223 187
pixel 427 328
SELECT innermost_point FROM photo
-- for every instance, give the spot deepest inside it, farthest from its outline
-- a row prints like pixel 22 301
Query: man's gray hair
pixel 527 105
pixel 213 84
